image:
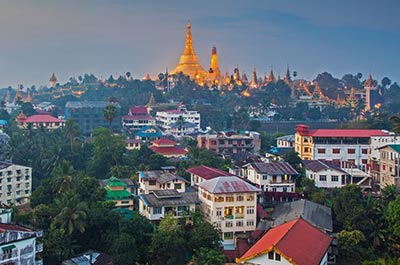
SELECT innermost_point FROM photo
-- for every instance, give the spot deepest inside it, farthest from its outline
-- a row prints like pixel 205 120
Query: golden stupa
pixel 189 63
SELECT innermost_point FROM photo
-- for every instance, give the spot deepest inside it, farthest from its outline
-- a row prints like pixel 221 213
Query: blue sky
pixel 105 37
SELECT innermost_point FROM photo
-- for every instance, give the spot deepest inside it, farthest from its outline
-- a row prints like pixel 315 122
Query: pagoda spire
pixel 254 81
pixel 287 77
pixel 215 72
pixel 189 63
pixel 28 97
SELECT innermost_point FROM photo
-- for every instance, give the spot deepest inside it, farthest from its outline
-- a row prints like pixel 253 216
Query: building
pixel 117 191
pixel 228 143
pixel 137 118
pixel 89 115
pixel 160 180
pixel 326 174
pixel 133 144
pixel 390 165
pixel 165 119
pixel 39 120
pixel 272 177
pixel 295 242
pixel 148 133
pixel 285 141
pixel 199 174
pixel 90 257
pixel 19 245
pixel 167 148
pixel 15 183
pixel 158 203
pixel 180 129
pixel 230 204
pixel 338 145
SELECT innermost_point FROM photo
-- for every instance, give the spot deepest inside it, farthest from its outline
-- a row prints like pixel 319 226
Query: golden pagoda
pixel 53 80
pixel 28 97
pixel 215 72
pixel 189 63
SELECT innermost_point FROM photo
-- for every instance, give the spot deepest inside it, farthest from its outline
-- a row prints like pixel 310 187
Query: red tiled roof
pixel 41 118
pixel 138 117
pixel 296 240
pixel 164 142
pixel 168 150
pixel 366 133
pixel 137 110
pixel 5 227
pixel 207 172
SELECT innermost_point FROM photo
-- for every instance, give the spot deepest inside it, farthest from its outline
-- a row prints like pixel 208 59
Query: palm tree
pixel 396 123
pixel 110 113
pixel 71 130
pixel 71 213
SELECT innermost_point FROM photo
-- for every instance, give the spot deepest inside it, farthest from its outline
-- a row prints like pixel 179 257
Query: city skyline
pixel 107 37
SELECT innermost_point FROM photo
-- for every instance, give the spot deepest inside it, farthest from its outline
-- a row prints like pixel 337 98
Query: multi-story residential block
pixel 165 119
pixel 15 183
pixel 89 115
pixel 199 174
pixel 158 203
pixel 338 145
pixel 39 120
pixel 230 143
pixel 117 191
pixel 19 245
pixel 160 180
pixel 148 133
pixel 294 242
pixel 137 118
pixel 390 165
pixel 230 203
pixel 275 176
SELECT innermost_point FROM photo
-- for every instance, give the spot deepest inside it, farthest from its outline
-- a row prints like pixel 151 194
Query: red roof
pixel 5 227
pixel 164 142
pixel 168 150
pixel 366 133
pixel 38 118
pixel 207 172
pixel 296 240
pixel 135 110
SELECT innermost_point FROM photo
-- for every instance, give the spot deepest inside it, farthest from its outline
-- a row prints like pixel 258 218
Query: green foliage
pixel 349 243
pixel 392 216
pixel 110 113
pixel 205 256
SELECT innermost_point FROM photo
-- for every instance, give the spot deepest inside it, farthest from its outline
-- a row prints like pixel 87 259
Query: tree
pixel 386 82
pixel 71 130
pixel 206 256
pixel 349 246
pixel 110 113
pixel 396 124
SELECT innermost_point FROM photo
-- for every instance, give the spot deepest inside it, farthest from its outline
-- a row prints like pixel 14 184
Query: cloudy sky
pixel 103 37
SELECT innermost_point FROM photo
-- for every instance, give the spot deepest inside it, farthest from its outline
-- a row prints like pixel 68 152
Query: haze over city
pixel 71 38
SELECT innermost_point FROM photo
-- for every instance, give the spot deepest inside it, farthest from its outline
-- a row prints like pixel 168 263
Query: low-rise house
pixel 285 141
pixel 133 144
pixel 228 143
pixel 19 245
pixel 158 203
pixel 90 257
pixel 230 204
pixel 277 153
pixel 39 120
pixel 160 180
pixel 199 174
pixel 275 177
pixel 148 133
pixel 15 183
pixel 137 118
pixel 117 191
pixel 295 242
pixel 167 148
pixel 390 165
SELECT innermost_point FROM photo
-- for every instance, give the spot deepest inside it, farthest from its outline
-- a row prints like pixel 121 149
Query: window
pixel 230 199
pixel 250 210
pixel 364 161
pixel 250 222
pixel 277 257
pixel 321 151
pixel 306 150
pixel 364 151
pixel 178 186
pixel 250 198
pixel 219 199
pixel 239 198
pixel 219 211
pixel 335 151
pixel 351 151
pixel 152 182
pixel 157 210
pixel 322 178
pixel 9 172
pixel 335 178
pixel 228 224
pixel 239 223
pixel 18 171
pixel 271 255
pixel 8 179
pixel 228 235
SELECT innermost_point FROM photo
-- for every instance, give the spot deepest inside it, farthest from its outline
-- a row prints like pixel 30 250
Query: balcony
pixel 239 216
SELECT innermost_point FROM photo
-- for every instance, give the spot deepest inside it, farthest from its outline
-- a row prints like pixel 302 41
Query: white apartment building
pixel 274 176
pixel 15 183
pixel 160 180
pixel 230 203
pixel 166 118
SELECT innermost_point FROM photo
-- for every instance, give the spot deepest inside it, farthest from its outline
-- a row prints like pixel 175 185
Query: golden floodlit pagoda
pixel 189 63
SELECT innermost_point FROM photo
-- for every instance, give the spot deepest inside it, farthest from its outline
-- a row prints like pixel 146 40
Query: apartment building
pixel 390 165
pixel 15 183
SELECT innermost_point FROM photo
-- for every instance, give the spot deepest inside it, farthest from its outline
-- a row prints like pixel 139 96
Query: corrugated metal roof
pixel 227 184
pixel 318 165
pixel 206 172
pixel 186 198
pixel 275 168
